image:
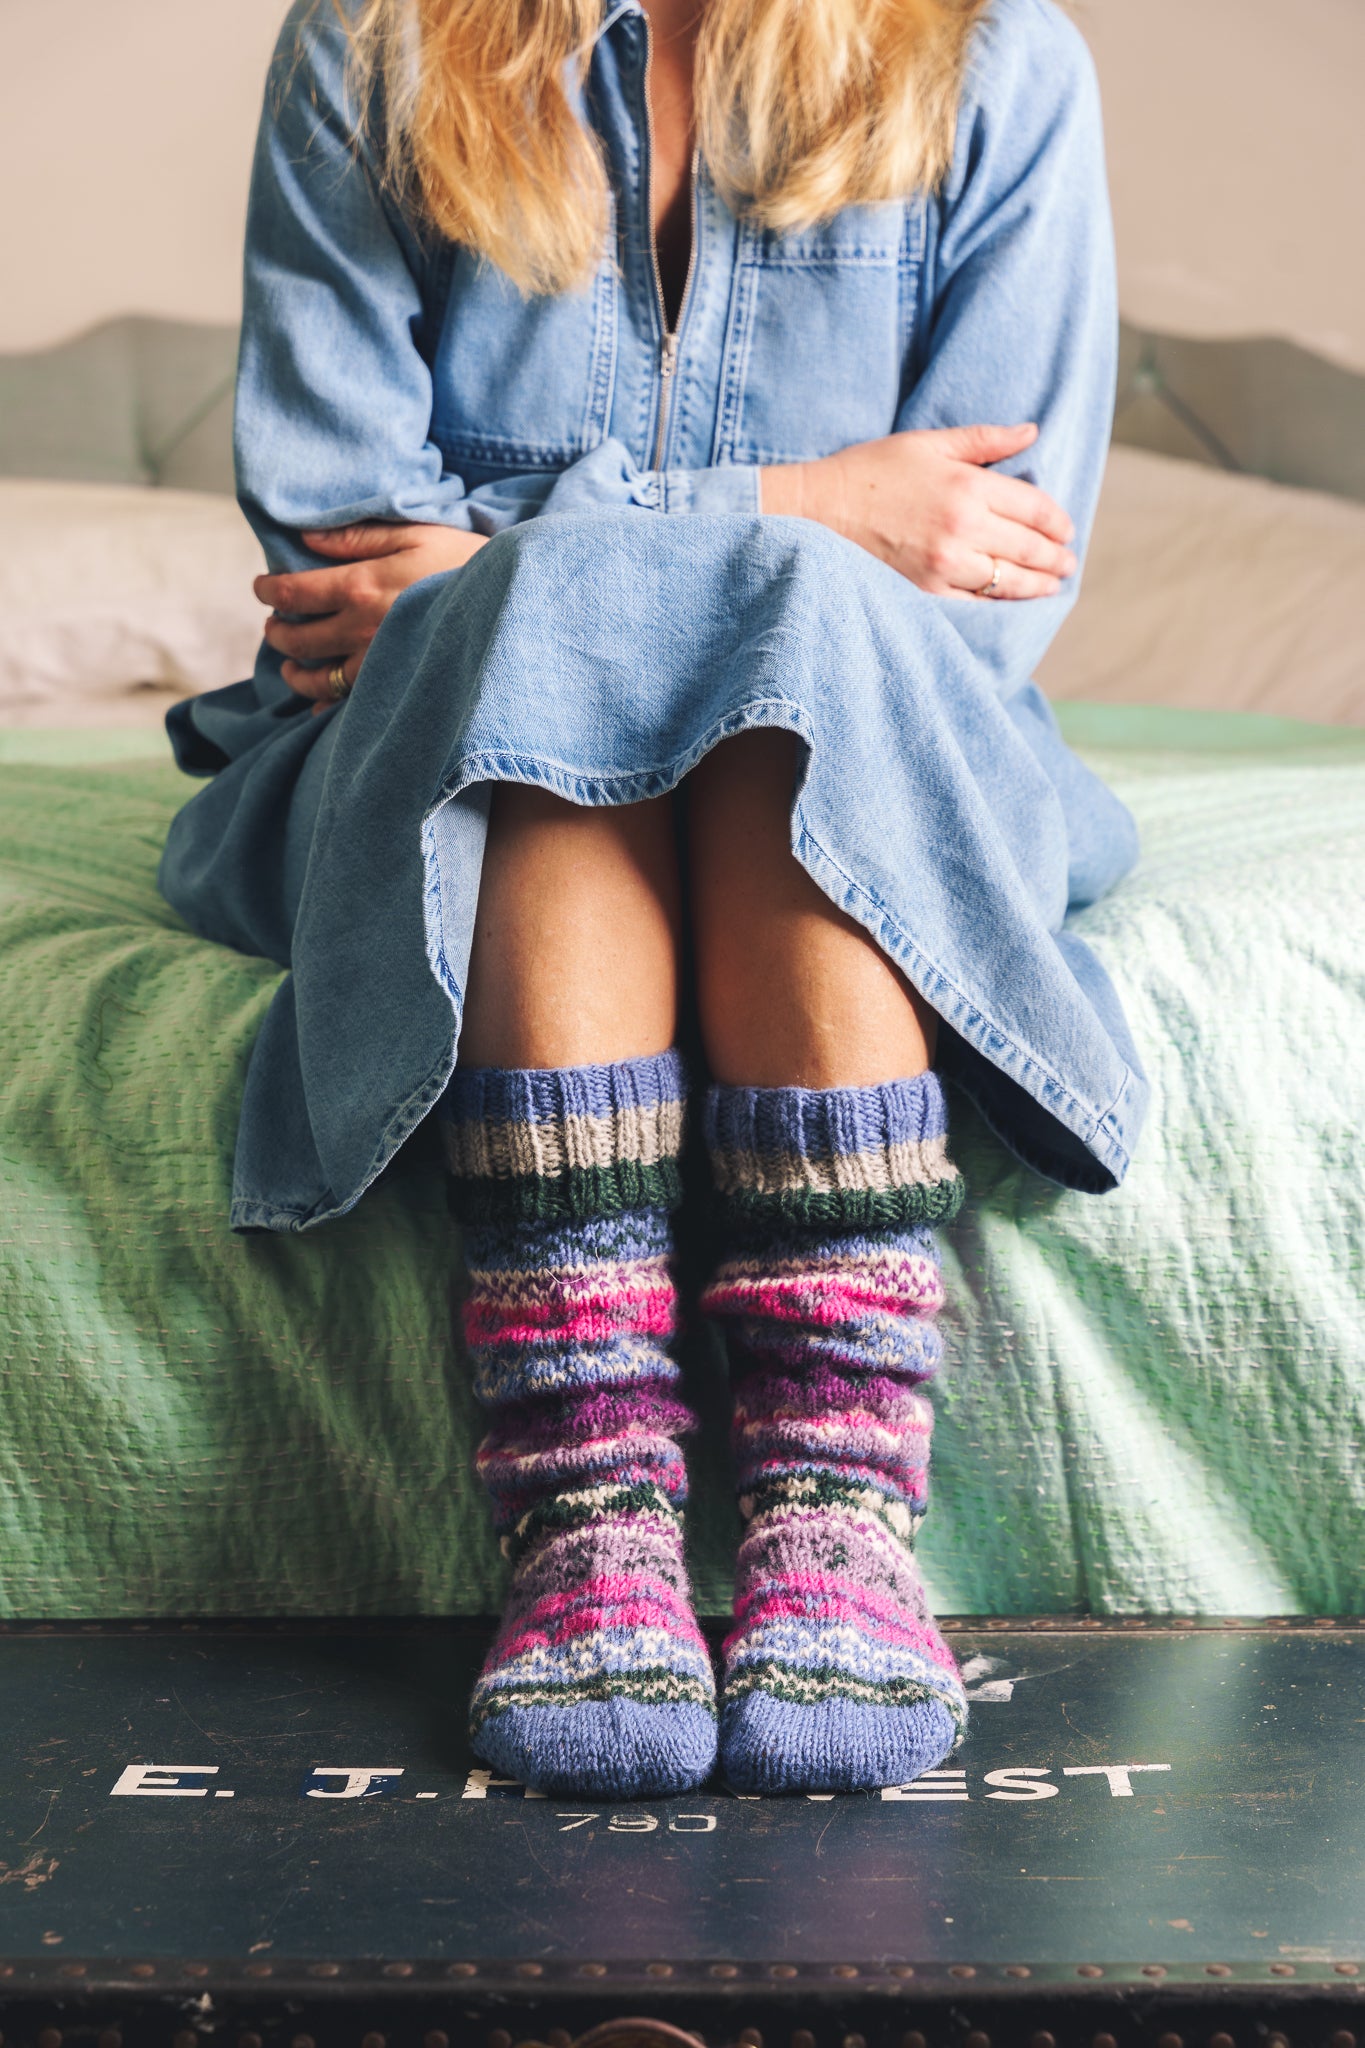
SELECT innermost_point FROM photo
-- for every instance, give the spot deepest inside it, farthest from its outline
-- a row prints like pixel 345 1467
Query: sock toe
pixel 602 1749
pixel 832 1745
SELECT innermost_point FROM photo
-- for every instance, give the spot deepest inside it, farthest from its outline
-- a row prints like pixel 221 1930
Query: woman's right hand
pixel 927 503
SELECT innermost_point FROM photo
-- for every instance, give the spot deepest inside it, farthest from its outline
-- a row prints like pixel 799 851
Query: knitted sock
pixel 835 1674
pixel 599 1682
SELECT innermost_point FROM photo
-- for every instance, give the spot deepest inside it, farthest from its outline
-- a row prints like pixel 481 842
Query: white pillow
pixel 1210 591
pixel 115 600
pixel 1217 592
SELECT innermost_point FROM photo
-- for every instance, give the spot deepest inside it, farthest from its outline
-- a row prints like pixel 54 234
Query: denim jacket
pixel 387 374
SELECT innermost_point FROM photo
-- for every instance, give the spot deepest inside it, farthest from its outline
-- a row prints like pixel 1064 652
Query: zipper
pixel 668 342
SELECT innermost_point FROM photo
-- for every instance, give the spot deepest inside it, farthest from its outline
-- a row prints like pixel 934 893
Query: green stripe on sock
pixel 571 1197
pixel 847 1208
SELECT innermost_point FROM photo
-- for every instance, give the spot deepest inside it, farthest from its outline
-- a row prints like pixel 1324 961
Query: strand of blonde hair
pixel 803 107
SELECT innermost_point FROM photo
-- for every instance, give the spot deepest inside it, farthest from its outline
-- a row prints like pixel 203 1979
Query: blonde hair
pixel 802 107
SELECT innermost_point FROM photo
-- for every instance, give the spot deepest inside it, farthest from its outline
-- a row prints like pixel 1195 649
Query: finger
pixel 986 444
pixel 1014 582
pixel 1012 498
pixel 361 542
pixel 304 590
pixel 331 639
pixel 317 682
pixel 1026 548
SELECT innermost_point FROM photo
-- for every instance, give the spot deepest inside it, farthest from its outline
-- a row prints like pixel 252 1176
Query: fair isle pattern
pixel 599 1681
pixel 835 1673
pixel 564 1142
pixel 857 1156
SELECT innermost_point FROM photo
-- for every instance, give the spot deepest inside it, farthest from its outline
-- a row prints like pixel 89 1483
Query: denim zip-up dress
pixel 633 607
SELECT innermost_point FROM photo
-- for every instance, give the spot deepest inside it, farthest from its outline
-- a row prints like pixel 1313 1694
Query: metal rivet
pixel 1281 1969
pixel 658 1969
pixel 1017 1970
pixel 843 1970
pixel 559 2037
pixel 1042 2041
pixel 303 2041
pixel 751 2038
pixel 961 1970
pixel 1089 1970
pixel 902 1969
pixel 1171 2041
pixel 591 1970
pixel 373 2041
pixel 195 1969
pixel 978 2040
pixel 1221 2041
pixel 73 1969
pixel 249 2041
pixel 854 2041
pixel 435 2038
pixel 186 2038
pixel 782 1970
pixel 398 1969
pixel 143 1970
pixel 1217 1970
pixel 1347 1969
pixel 110 2038
pixel 724 1969
pixel 1103 2041
pixel 913 2041
pixel 803 2038
pixel 1154 1969
pixel 530 1969
pixel 462 1970
pixel 499 2038
pixel 51 2037
pixel 260 1969
pixel 324 1969
pixel 1342 2039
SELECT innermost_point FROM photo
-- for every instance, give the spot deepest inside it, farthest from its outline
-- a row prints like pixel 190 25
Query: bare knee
pixel 575 949
pixel 791 990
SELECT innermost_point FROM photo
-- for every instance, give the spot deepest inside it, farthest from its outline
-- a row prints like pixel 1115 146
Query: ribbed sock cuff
pixel 553 1144
pixel 869 1158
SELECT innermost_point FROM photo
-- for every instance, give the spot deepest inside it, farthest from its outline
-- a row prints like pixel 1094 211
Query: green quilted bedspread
pixel 1154 1401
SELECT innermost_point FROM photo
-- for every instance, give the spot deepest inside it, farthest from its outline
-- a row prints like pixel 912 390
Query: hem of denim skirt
pixel 1097 1129
pixel 248 1214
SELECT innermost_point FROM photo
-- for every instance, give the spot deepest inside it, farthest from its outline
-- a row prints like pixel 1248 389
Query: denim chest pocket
pixel 521 383
pixel 819 330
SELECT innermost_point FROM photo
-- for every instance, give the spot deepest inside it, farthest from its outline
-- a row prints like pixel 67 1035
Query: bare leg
pixel 599 1683
pixel 575 950
pixel 792 992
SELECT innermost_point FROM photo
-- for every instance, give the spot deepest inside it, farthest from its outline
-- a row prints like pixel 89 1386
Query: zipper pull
pixel 668 356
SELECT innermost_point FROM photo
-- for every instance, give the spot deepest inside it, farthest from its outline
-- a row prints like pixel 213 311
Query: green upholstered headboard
pixel 147 401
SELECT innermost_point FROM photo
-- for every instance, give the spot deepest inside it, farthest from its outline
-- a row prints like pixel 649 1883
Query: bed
pixel 1154 1400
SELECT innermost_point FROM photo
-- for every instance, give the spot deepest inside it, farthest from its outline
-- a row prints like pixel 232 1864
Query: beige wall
pixel 1237 159
pixel 125 135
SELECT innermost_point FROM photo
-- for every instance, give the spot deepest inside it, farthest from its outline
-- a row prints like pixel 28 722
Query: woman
pixel 682 339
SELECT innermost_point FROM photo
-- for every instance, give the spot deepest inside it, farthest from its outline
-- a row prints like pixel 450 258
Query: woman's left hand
pixel 346 606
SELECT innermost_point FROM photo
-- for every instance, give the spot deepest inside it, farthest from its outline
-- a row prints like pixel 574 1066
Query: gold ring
pixel 336 681
pixel 989 589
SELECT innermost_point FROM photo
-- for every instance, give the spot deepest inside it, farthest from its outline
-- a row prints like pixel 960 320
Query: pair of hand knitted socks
pixel 599 1682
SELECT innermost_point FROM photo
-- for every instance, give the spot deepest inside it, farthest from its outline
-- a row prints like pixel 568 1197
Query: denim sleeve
pixel 1019 319
pixel 334 388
